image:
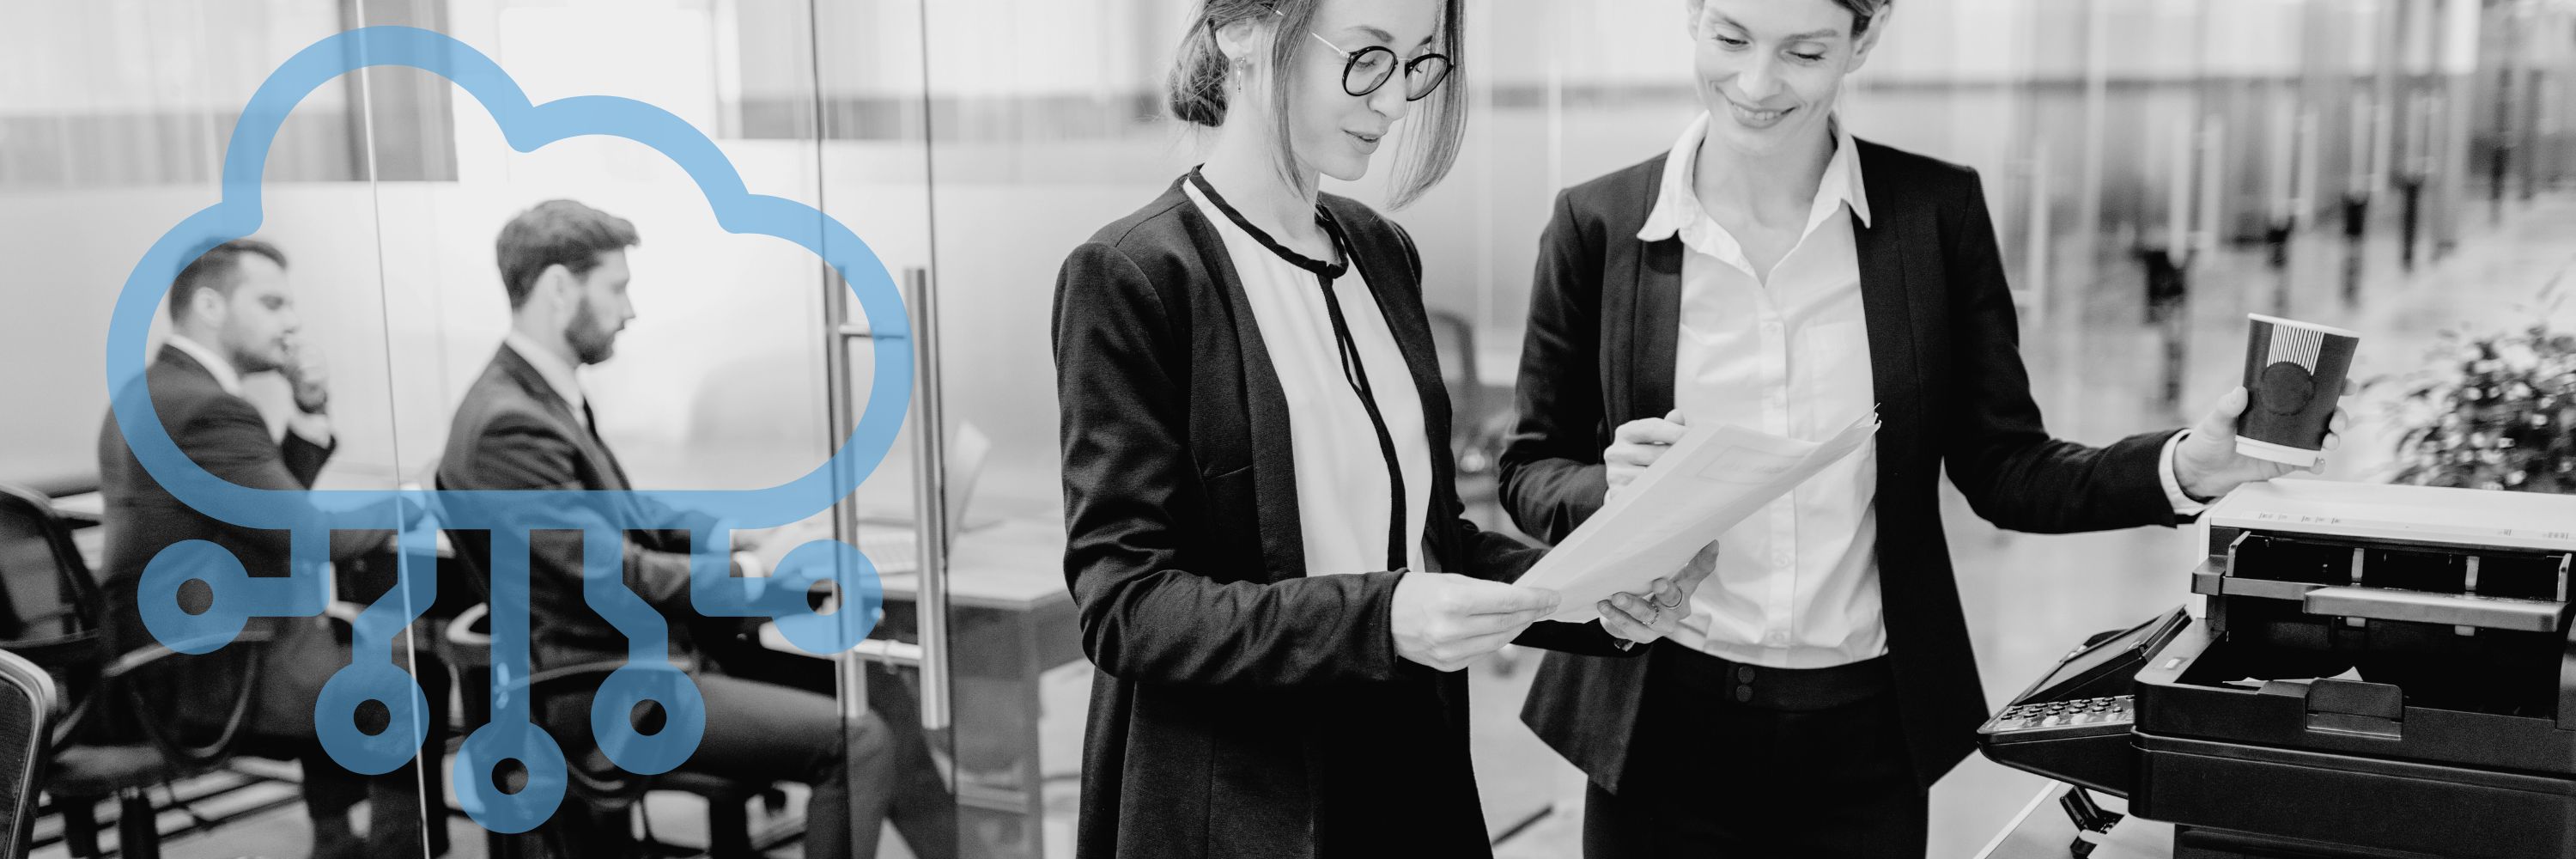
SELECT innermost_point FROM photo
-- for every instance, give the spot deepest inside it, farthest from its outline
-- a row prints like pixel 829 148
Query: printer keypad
pixel 2113 710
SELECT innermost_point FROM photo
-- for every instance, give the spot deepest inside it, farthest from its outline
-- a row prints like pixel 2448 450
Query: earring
pixel 1242 71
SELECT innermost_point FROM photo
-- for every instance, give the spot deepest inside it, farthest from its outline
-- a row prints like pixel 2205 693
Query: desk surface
pixel 88 508
pixel 1013 565
pixel 2042 831
pixel 1011 570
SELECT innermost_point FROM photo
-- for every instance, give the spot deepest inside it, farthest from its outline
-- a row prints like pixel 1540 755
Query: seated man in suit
pixel 231 316
pixel 526 424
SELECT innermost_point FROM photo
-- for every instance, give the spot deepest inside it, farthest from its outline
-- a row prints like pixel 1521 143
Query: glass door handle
pixel 931 528
pixel 930 491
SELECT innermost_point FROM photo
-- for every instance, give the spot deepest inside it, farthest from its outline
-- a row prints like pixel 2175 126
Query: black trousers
pixel 398 818
pixel 772 717
pixel 900 782
pixel 1742 761
pixel 763 732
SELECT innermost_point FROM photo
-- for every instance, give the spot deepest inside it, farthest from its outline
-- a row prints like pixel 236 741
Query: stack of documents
pixel 1717 475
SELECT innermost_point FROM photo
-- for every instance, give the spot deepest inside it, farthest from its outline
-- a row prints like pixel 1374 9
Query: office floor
pixel 2096 368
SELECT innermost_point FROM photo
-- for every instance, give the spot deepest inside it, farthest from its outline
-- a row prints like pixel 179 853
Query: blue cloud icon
pixel 310 516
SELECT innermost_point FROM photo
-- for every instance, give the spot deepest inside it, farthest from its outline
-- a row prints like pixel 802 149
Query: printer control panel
pixel 2079 717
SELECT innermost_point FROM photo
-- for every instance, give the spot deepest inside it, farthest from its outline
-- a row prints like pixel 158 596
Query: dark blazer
pixel 1952 392
pixel 1243 707
pixel 514 432
pixel 225 435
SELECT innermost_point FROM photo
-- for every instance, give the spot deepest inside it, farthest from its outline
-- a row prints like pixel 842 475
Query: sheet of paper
pixel 1713 478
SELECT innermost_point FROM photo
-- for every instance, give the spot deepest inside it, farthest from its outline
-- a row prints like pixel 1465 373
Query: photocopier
pixel 2380 671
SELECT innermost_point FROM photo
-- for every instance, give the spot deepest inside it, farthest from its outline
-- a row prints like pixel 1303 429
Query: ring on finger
pixel 1676 603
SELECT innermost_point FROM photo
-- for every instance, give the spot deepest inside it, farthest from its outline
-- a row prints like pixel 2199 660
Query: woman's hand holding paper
pixel 1644 618
pixel 1636 445
pixel 1446 620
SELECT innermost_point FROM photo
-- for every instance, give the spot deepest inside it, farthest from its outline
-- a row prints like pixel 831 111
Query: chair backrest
pixel 27 698
pixel 1454 339
pixel 50 607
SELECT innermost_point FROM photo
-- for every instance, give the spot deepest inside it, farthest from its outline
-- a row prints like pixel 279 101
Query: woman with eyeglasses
pixel 1271 564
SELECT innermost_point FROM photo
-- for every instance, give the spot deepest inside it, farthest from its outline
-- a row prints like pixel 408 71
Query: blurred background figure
pixel 232 314
pixel 527 424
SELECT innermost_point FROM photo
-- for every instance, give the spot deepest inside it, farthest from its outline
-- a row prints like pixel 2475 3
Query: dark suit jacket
pixel 514 432
pixel 1945 351
pixel 225 435
pixel 1243 707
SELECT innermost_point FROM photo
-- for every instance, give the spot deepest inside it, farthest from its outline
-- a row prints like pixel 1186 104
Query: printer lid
pixel 2423 514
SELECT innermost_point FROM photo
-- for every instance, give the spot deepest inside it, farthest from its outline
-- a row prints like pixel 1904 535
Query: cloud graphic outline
pixel 309 515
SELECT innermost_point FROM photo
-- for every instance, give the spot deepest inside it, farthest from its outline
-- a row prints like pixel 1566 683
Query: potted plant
pixel 2495 412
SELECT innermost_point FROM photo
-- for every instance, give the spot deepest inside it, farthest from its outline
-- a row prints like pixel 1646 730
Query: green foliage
pixel 2498 412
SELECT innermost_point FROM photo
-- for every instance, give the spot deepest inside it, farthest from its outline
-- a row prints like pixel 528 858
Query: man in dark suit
pixel 231 316
pixel 1772 272
pixel 526 424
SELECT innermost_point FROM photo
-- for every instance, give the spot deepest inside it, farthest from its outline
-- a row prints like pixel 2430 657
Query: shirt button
pixel 1743 694
pixel 1743 674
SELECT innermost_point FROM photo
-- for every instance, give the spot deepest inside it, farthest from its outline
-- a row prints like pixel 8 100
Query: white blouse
pixel 1784 351
pixel 1344 499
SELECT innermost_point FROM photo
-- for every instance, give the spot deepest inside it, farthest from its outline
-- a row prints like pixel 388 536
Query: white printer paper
pixel 1713 478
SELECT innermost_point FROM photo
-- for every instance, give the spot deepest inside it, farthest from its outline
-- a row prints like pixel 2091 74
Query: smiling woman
pixel 1774 72
pixel 1268 555
pixel 1208 82
pixel 1781 273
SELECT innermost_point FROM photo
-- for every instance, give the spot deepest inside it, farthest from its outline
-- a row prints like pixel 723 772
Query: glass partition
pixel 2153 169
pixel 116 121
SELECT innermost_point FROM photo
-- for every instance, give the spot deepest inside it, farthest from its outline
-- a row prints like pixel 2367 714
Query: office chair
pixel 609 799
pixel 1453 338
pixel 114 741
pixel 79 773
pixel 27 698
pixel 1479 418
pixel 50 607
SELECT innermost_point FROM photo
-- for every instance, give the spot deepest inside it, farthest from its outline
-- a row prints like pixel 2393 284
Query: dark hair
pixel 217 269
pixel 1862 11
pixel 557 232
pixel 1197 91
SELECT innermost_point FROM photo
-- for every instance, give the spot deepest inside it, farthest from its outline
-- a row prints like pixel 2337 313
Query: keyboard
pixel 2080 717
pixel 893 552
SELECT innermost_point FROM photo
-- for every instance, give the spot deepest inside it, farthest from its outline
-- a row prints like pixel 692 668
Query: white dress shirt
pixel 1342 490
pixel 558 375
pixel 1787 352
pixel 315 428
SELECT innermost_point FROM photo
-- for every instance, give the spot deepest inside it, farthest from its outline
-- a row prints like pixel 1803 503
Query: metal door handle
pixel 931 528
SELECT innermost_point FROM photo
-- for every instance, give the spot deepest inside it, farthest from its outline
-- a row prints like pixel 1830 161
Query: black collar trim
pixel 1320 268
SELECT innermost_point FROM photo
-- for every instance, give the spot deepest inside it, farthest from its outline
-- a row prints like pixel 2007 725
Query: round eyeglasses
pixel 1371 67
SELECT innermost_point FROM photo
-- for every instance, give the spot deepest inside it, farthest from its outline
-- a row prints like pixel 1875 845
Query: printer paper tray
pixel 2172 703
pixel 2346 799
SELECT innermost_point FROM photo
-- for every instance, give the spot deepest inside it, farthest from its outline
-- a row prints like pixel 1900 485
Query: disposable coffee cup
pixel 2294 374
